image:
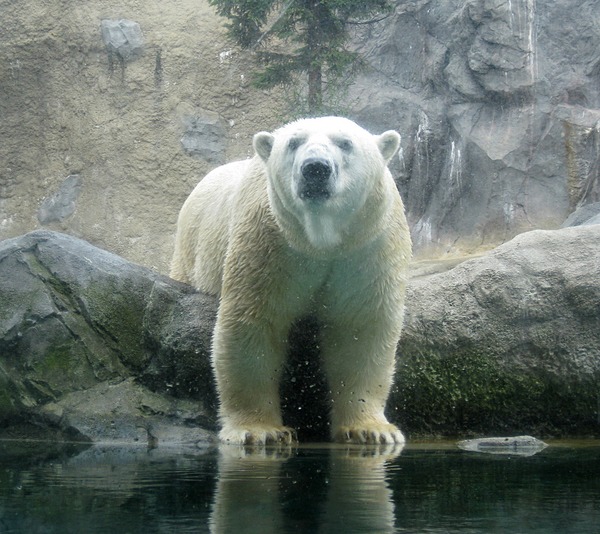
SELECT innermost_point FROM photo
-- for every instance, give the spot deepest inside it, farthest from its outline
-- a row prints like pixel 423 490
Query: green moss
pixel 64 367
pixel 119 317
pixel 56 360
pixel 469 393
pixel 7 408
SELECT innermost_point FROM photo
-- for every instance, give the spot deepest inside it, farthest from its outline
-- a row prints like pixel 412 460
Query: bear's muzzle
pixel 316 174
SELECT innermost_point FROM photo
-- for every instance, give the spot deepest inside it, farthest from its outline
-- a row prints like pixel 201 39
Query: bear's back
pixel 203 228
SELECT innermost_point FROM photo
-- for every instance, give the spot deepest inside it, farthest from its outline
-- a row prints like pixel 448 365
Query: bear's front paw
pixel 368 433
pixel 258 435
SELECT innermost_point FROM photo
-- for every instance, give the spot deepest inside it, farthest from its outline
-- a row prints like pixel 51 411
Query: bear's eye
pixel 343 144
pixel 295 142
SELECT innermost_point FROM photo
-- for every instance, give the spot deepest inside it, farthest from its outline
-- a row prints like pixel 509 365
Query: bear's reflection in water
pixel 279 489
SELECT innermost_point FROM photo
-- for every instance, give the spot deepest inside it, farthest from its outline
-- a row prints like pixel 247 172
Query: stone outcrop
pixel 586 215
pixel 97 347
pixel 78 324
pixel 123 39
pixel 499 339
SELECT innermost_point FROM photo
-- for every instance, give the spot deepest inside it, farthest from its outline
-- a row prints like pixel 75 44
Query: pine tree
pixel 313 33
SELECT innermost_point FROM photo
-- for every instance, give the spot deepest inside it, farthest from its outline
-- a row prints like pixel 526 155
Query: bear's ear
pixel 388 142
pixel 263 144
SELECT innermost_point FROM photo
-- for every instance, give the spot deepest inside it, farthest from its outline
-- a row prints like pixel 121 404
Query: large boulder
pixel 77 324
pixel 507 341
pixel 94 346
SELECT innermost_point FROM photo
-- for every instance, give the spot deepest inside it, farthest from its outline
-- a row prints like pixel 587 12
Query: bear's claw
pixel 258 435
pixel 370 434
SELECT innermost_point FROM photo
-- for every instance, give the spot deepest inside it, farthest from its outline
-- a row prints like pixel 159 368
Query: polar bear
pixel 312 224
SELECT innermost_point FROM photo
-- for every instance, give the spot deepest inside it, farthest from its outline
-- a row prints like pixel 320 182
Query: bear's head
pixel 321 174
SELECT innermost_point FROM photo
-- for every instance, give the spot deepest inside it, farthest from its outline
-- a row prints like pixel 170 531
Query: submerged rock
pixel 515 446
pixel 129 413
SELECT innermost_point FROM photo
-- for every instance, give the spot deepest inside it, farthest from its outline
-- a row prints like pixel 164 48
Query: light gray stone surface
pixel 63 203
pixel 498 104
pixel 123 38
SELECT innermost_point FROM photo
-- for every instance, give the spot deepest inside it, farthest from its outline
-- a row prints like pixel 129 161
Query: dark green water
pixel 429 488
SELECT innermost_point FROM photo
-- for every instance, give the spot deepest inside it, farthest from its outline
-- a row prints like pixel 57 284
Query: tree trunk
pixel 315 89
pixel 315 41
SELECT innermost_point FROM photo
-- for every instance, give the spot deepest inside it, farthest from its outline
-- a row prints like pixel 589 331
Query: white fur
pixel 245 234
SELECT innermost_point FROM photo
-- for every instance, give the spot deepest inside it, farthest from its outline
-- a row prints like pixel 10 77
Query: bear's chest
pixel 322 286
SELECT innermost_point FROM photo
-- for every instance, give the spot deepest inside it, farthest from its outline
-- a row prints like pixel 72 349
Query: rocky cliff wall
pixel 498 103
pixel 110 114
pixel 106 126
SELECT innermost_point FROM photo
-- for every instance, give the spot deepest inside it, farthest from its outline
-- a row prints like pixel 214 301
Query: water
pixel 429 488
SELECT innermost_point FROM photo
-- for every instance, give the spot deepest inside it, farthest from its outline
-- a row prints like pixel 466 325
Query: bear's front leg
pixel 359 363
pixel 248 359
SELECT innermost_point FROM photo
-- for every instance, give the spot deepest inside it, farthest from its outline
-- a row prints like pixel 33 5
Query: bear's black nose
pixel 315 173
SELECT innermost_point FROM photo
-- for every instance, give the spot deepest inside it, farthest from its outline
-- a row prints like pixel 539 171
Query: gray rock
pixel 95 346
pixel 76 319
pixel 543 281
pixel 498 340
pixel 588 214
pixel 500 132
pixel 204 137
pixel 129 413
pixel 593 220
pixel 123 38
pixel 502 51
pixel 62 204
